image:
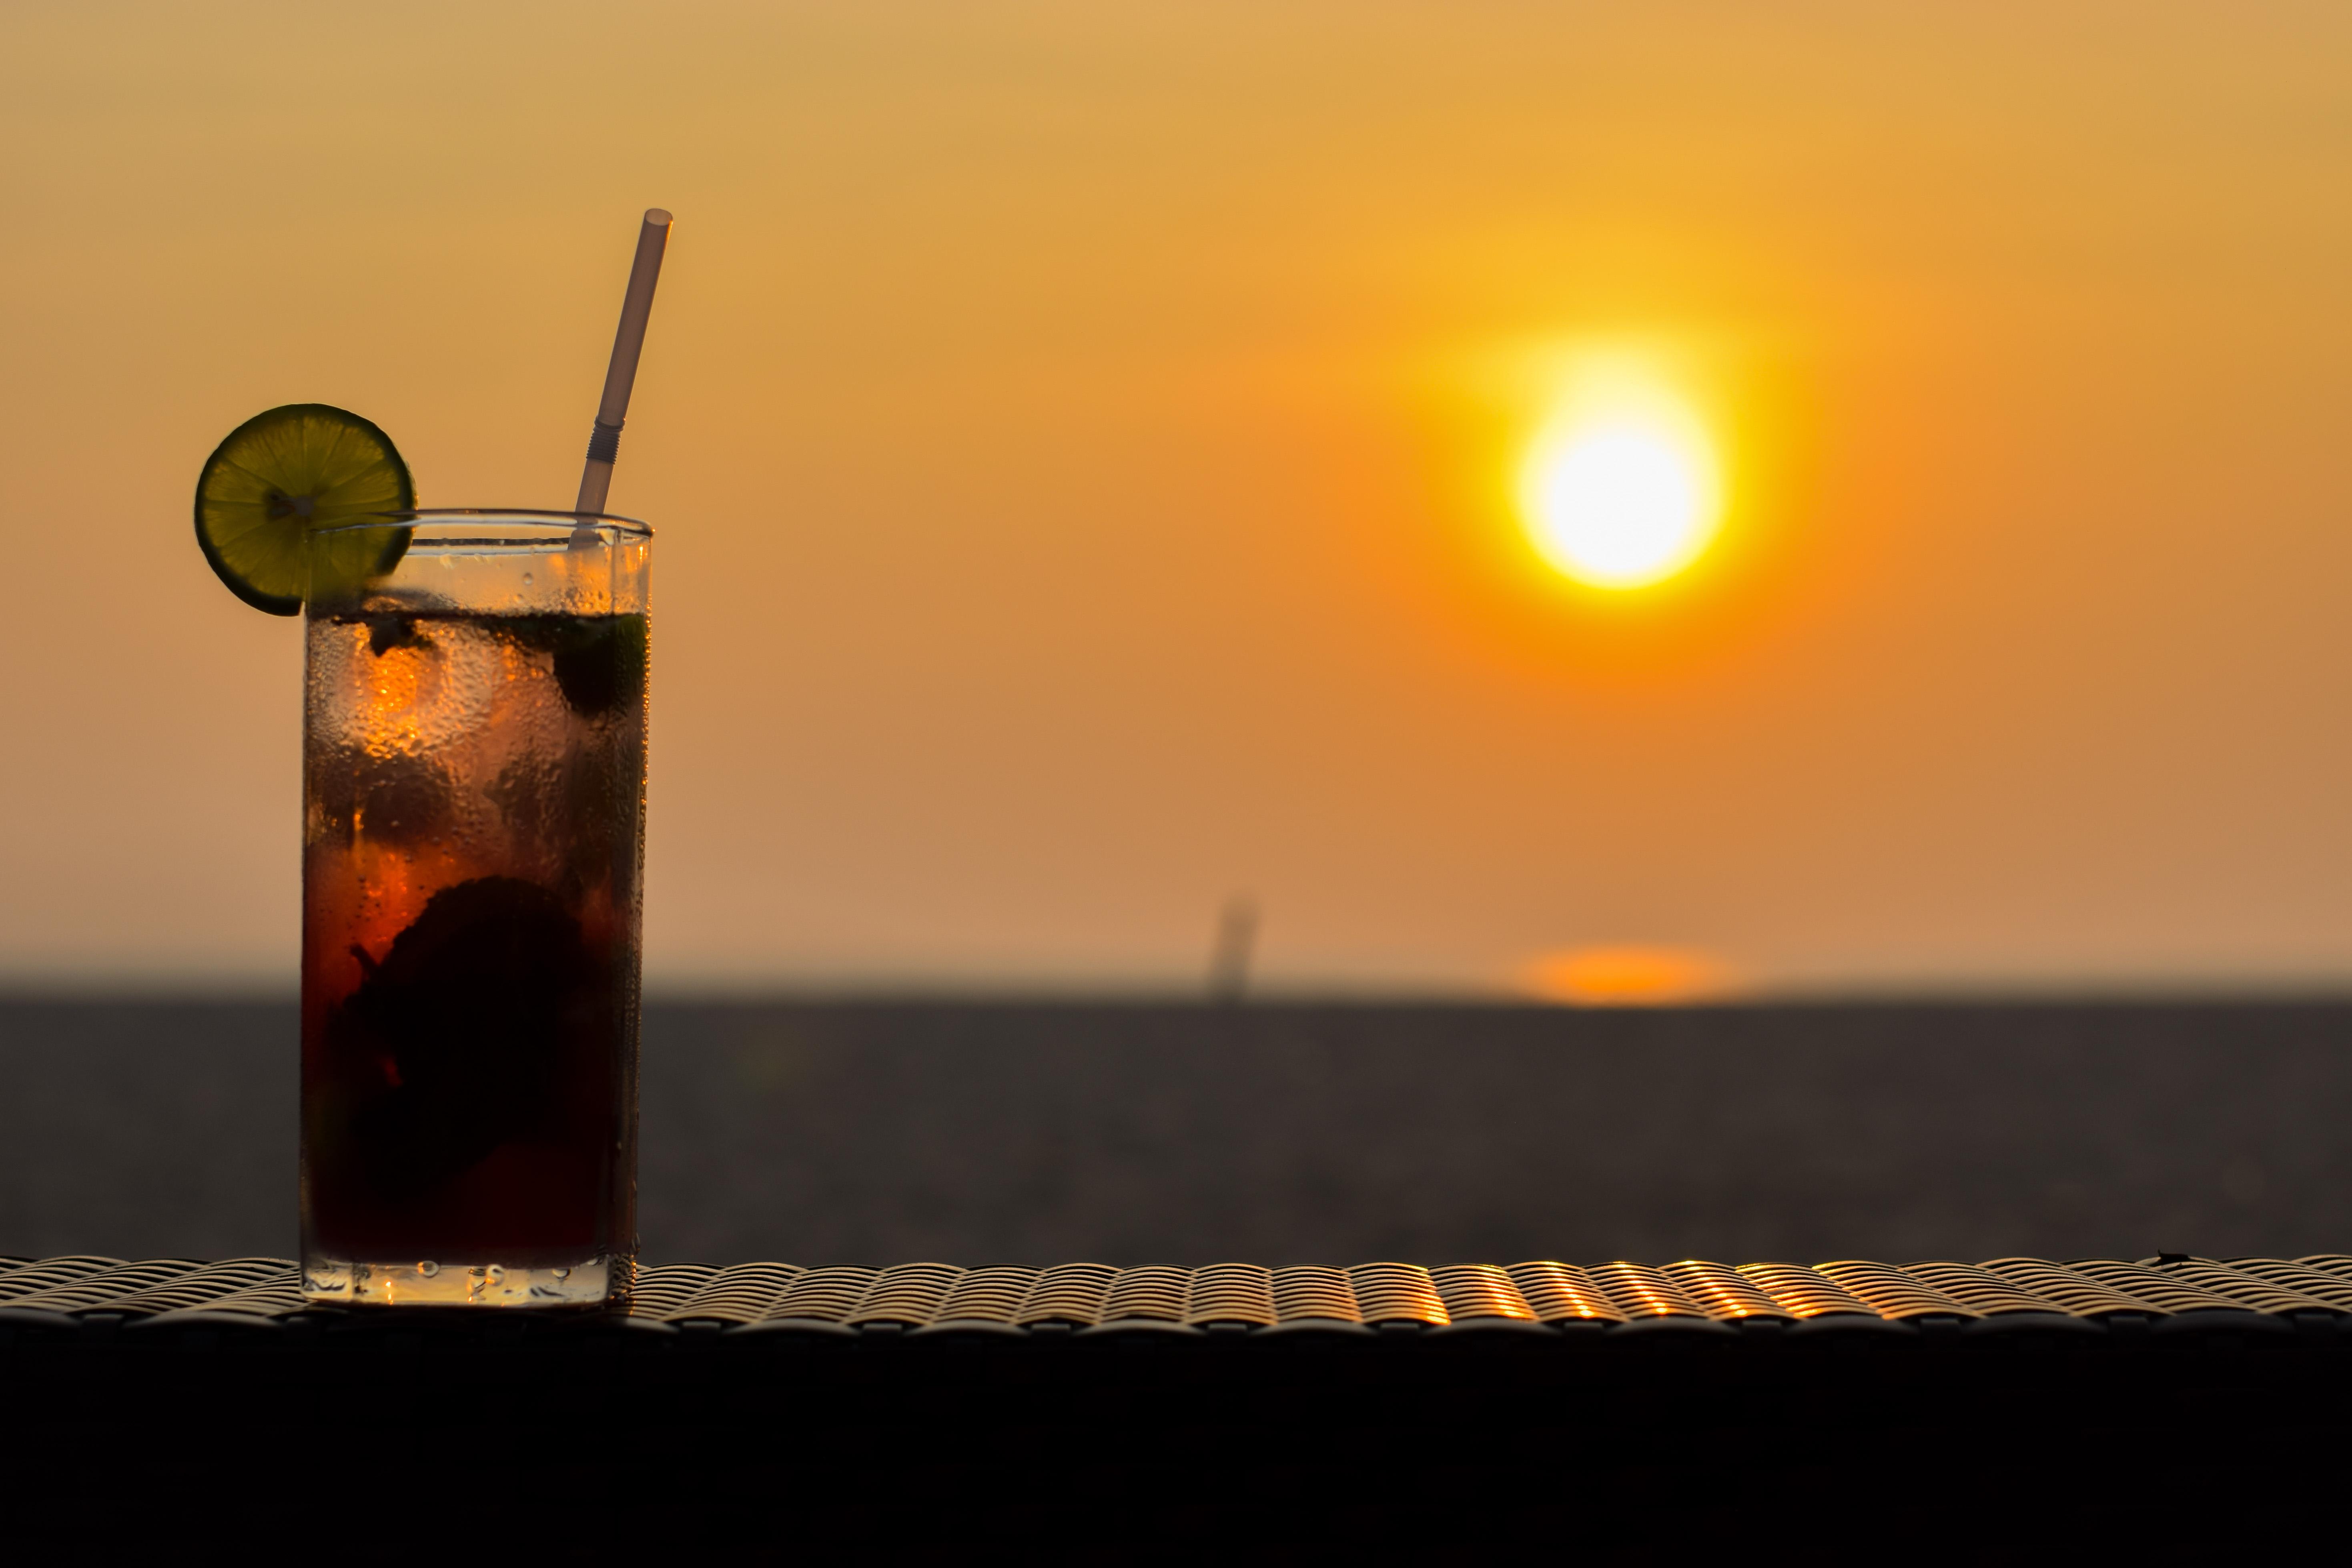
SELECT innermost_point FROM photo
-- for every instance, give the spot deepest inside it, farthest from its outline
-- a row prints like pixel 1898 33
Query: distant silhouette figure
pixel 1229 955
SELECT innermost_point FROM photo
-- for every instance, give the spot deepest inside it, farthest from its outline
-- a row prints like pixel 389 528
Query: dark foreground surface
pixel 1185 1135
pixel 1034 1135
pixel 377 1441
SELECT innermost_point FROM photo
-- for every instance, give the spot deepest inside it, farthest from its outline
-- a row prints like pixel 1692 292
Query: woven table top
pixel 2309 1295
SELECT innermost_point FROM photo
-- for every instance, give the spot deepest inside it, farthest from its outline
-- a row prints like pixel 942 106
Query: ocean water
pixel 1034 1133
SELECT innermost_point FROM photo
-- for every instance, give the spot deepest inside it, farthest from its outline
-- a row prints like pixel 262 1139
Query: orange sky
pixel 1081 440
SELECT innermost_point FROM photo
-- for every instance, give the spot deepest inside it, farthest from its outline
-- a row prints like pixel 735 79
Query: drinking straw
pixel 605 440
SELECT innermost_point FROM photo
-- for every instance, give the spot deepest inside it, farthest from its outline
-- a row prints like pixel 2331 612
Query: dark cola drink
pixel 473 844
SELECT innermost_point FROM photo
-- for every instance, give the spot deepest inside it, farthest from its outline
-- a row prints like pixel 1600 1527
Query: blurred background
pixel 1092 453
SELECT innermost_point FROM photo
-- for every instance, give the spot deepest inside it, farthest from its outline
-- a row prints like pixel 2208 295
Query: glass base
pixel 595 1282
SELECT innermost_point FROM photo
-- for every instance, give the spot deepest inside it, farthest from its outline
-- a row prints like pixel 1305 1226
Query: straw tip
pixel 658 217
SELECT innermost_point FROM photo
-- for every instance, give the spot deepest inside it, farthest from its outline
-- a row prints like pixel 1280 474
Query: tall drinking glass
pixel 473 839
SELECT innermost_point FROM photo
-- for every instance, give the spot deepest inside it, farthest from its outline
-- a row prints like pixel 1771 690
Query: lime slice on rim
pixel 279 477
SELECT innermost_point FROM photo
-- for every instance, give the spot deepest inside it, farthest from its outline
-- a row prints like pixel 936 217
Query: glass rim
pixel 525 523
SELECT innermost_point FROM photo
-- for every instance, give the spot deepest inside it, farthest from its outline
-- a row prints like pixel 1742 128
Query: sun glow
pixel 1630 976
pixel 1620 489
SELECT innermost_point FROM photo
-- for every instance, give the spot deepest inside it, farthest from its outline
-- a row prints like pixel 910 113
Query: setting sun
pixel 1631 976
pixel 1621 491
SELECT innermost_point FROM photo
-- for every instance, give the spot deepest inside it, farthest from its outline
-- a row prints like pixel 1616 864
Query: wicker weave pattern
pixel 2069 1289
pixel 820 1295
pixel 1398 1293
pixel 742 1294
pixel 661 1291
pixel 1726 1294
pixel 1471 1292
pixel 1807 1293
pixel 1231 1293
pixel 1149 1295
pixel 115 1289
pixel 1638 1291
pixel 1559 1293
pixel 2171 1290
pixel 1967 1287
pixel 909 1295
pixel 1071 1294
pixel 938 1297
pixel 29 1278
pixel 2332 1292
pixel 993 1296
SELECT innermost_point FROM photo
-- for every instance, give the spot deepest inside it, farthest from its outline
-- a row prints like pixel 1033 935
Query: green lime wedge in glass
pixel 281 477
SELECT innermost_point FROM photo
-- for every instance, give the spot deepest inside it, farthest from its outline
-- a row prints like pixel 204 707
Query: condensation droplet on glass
pixel 526 579
pixel 428 1269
